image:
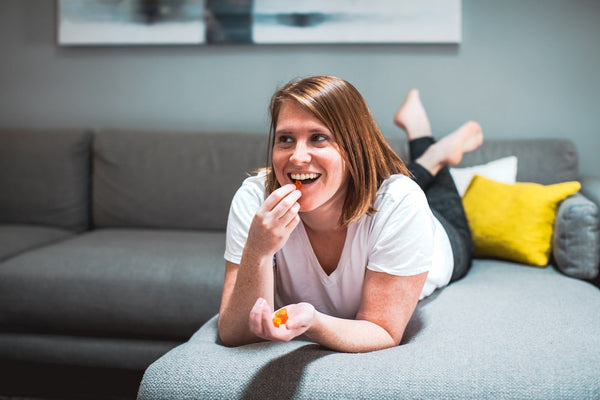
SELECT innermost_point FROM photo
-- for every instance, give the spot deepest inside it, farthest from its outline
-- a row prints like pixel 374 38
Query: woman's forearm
pixel 270 229
pixel 350 336
pixel 253 279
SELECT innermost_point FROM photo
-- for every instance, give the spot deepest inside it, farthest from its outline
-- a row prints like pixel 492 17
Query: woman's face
pixel 306 150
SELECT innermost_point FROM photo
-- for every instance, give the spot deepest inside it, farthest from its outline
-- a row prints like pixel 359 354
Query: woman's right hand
pixel 274 221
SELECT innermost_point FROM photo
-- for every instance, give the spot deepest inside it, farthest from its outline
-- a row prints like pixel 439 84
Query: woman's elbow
pixel 227 340
pixel 394 338
pixel 232 341
pixel 226 337
pixel 230 338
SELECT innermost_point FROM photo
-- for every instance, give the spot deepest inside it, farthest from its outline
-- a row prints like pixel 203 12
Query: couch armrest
pixel 576 237
pixel 590 187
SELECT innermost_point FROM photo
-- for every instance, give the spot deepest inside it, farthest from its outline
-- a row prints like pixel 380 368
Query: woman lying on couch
pixel 351 249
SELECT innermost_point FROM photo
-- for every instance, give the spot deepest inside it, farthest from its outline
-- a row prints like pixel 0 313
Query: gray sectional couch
pixel 111 258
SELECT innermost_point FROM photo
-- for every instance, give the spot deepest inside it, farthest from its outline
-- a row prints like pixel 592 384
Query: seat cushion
pixel 503 331
pixel 130 283
pixel 15 238
pixel 72 350
pixel 45 178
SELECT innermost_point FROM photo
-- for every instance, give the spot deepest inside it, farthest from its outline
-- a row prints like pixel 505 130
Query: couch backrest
pixel 170 180
pixel 44 178
pixel 187 180
pixel 544 160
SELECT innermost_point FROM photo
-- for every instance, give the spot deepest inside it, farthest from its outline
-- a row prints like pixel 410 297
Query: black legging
pixel 446 205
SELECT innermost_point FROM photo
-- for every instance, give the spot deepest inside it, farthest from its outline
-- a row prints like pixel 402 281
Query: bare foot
pixel 466 138
pixel 411 117
pixel 450 149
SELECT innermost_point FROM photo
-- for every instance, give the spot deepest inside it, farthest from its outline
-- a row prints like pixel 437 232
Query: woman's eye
pixel 284 139
pixel 319 138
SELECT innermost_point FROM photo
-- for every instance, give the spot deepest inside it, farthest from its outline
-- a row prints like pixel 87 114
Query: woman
pixel 351 252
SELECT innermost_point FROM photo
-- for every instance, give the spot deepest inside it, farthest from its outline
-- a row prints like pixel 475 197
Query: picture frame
pixel 214 22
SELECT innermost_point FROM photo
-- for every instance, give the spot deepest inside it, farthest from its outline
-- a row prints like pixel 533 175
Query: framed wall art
pixel 151 22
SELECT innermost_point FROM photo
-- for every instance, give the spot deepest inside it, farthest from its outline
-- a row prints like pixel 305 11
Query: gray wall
pixel 525 68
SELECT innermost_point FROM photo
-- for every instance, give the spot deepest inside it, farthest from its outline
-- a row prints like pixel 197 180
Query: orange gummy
pixel 280 317
pixel 298 184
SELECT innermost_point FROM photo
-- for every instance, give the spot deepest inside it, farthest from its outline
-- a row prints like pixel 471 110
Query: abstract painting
pixel 111 22
pixel 122 22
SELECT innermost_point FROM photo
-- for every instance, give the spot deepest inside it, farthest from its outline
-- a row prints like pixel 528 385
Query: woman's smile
pixel 306 177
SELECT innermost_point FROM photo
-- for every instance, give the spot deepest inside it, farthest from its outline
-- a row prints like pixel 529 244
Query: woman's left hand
pixel 300 319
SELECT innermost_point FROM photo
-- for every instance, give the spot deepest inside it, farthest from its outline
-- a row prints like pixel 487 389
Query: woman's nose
pixel 301 153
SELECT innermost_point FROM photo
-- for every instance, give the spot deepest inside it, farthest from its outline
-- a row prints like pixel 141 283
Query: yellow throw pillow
pixel 514 221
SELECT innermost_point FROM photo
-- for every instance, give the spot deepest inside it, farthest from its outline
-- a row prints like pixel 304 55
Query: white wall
pixel 525 68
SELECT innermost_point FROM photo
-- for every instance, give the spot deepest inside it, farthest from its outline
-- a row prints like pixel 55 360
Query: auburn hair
pixel 342 109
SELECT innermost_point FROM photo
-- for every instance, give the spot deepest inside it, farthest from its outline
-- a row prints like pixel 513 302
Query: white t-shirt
pixel 402 238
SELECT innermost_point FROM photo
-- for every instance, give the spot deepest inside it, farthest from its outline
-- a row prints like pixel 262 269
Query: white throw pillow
pixel 502 170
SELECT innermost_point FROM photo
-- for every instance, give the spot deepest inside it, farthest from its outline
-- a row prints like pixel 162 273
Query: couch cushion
pixel 501 170
pixel 514 222
pixel 44 178
pixel 170 180
pixel 15 238
pixel 503 331
pixel 102 352
pixel 130 283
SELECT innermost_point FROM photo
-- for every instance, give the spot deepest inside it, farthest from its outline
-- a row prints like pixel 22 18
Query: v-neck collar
pixel 314 261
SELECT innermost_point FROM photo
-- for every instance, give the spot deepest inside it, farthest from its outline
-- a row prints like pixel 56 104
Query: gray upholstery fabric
pixel 504 331
pixel 157 179
pixel 72 350
pixel 576 237
pixel 118 297
pixel 129 283
pixel 15 238
pixel 544 161
pixel 590 187
pixel 44 178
